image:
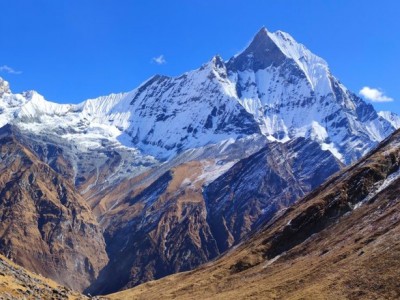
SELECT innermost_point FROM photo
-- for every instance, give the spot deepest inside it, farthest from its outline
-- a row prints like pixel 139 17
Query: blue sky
pixel 71 50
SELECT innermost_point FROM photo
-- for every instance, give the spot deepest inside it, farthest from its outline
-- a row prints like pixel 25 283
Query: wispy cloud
pixel 374 95
pixel 9 70
pixel 159 60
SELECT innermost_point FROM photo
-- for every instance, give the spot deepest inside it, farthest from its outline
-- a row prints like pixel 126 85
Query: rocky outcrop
pixel 45 225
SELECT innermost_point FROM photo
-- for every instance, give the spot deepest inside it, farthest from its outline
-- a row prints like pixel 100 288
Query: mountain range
pixel 131 187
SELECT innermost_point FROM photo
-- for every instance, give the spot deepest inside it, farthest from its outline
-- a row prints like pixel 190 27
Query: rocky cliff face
pixel 340 241
pixel 45 225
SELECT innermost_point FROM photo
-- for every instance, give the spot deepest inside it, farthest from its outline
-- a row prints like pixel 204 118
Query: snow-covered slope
pixel 391 117
pixel 169 115
pixel 276 87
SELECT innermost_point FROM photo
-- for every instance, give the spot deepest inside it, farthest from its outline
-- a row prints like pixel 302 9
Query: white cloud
pixel 374 95
pixel 159 60
pixel 9 70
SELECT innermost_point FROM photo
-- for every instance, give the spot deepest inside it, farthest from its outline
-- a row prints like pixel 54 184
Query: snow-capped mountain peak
pixel 276 87
pixel 272 49
pixel 218 61
pixel 260 54
pixel 216 67
pixel 291 92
